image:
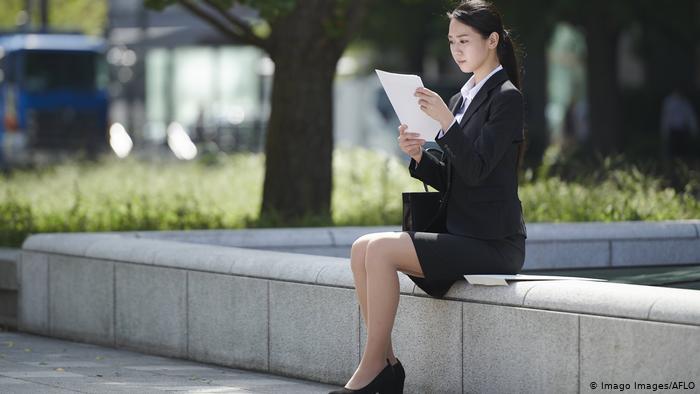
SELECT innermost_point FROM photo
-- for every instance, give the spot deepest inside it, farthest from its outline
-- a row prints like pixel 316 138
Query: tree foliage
pixel 270 13
pixel 87 16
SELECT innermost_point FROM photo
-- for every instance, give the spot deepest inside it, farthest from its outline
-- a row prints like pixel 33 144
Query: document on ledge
pixel 500 280
pixel 400 88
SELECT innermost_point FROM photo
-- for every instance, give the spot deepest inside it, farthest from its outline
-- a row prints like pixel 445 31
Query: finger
pixel 417 144
pixel 424 96
pixel 409 136
pixel 428 100
pixel 409 147
pixel 404 137
pixel 402 128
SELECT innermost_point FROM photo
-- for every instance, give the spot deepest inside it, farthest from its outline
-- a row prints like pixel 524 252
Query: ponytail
pixel 506 55
pixel 507 58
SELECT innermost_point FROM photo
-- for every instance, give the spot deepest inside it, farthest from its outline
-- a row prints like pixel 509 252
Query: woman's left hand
pixel 431 103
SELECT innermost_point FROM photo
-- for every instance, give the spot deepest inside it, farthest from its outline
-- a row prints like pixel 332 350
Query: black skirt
pixel 445 258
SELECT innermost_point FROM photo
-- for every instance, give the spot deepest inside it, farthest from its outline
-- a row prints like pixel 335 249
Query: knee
pixel 376 254
pixel 357 253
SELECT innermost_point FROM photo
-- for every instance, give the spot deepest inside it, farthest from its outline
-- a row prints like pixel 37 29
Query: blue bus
pixel 53 95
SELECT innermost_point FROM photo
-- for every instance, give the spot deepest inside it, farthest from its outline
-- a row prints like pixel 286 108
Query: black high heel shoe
pixel 382 384
pixel 399 376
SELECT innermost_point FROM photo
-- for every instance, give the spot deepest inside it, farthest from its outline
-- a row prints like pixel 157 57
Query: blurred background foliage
pixel 223 191
pixel 86 16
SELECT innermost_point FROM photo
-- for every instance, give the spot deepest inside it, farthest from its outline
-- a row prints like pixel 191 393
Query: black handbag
pixel 426 211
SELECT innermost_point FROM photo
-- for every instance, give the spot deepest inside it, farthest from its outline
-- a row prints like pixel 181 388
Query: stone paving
pixel 36 364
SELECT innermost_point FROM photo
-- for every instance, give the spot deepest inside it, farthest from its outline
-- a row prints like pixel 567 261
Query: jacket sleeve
pixel 473 162
pixel 429 170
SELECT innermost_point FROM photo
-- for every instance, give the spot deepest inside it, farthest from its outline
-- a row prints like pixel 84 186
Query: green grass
pixel 225 192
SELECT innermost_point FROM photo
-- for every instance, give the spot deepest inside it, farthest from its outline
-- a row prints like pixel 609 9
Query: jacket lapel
pixel 495 80
pixel 456 103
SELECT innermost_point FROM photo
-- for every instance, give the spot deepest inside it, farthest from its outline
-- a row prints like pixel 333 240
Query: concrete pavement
pixel 35 364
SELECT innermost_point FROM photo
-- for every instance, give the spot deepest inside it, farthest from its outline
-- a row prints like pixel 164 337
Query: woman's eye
pixel 464 42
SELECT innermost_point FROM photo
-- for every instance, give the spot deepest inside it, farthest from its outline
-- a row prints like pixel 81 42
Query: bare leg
pixel 357 263
pixel 386 253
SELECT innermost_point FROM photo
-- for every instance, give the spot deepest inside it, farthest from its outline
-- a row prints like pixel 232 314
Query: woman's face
pixel 469 49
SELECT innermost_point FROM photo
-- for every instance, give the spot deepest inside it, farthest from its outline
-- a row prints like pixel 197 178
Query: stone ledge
pixel 344 236
pixel 8 271
pixel 8 287
pixel 297 315
pixel 549 245
pixel 600 298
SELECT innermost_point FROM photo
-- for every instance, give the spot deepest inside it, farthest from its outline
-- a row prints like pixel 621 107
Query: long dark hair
pixel 483 17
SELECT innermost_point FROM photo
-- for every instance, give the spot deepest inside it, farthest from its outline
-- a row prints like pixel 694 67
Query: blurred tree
pixel 669 39
pixel 408 27
pixel 9 13
pixel 305 39
pixel 87 16
pixel 669 43
pixel 532 28
pixel 664 38
pixel 602 23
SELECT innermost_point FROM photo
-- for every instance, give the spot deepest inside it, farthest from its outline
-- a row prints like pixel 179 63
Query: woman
pixel 482 137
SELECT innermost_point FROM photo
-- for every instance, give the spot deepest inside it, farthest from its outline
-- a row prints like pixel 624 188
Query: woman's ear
pixel 493 40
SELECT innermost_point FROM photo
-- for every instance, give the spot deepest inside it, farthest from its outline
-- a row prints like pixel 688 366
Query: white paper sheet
pixel 500 280
pixel 400 88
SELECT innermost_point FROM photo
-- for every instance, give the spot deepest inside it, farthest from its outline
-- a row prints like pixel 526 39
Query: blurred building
pixel 170 66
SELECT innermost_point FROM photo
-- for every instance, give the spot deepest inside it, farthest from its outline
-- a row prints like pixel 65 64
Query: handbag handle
pixel 443 158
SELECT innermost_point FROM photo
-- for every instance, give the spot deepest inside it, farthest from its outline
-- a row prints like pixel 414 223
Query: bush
pixel 133 194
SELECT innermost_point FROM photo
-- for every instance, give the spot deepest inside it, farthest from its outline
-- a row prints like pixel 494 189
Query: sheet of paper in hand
pixel 500 280
pixel 400 88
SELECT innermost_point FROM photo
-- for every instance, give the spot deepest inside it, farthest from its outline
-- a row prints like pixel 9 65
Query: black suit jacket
pixel 482 150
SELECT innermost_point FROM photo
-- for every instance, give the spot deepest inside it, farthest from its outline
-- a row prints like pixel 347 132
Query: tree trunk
pixel 603 91
pixel 532 38
pixel 668 49
pixel 416 57
pixel 535 93
pixel 305 45
pixel 299 142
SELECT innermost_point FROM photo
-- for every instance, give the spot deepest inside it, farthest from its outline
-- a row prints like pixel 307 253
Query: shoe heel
pixel 399 376
pixel 383 383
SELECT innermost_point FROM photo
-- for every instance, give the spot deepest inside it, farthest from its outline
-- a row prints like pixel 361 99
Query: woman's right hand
pixel 410 143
